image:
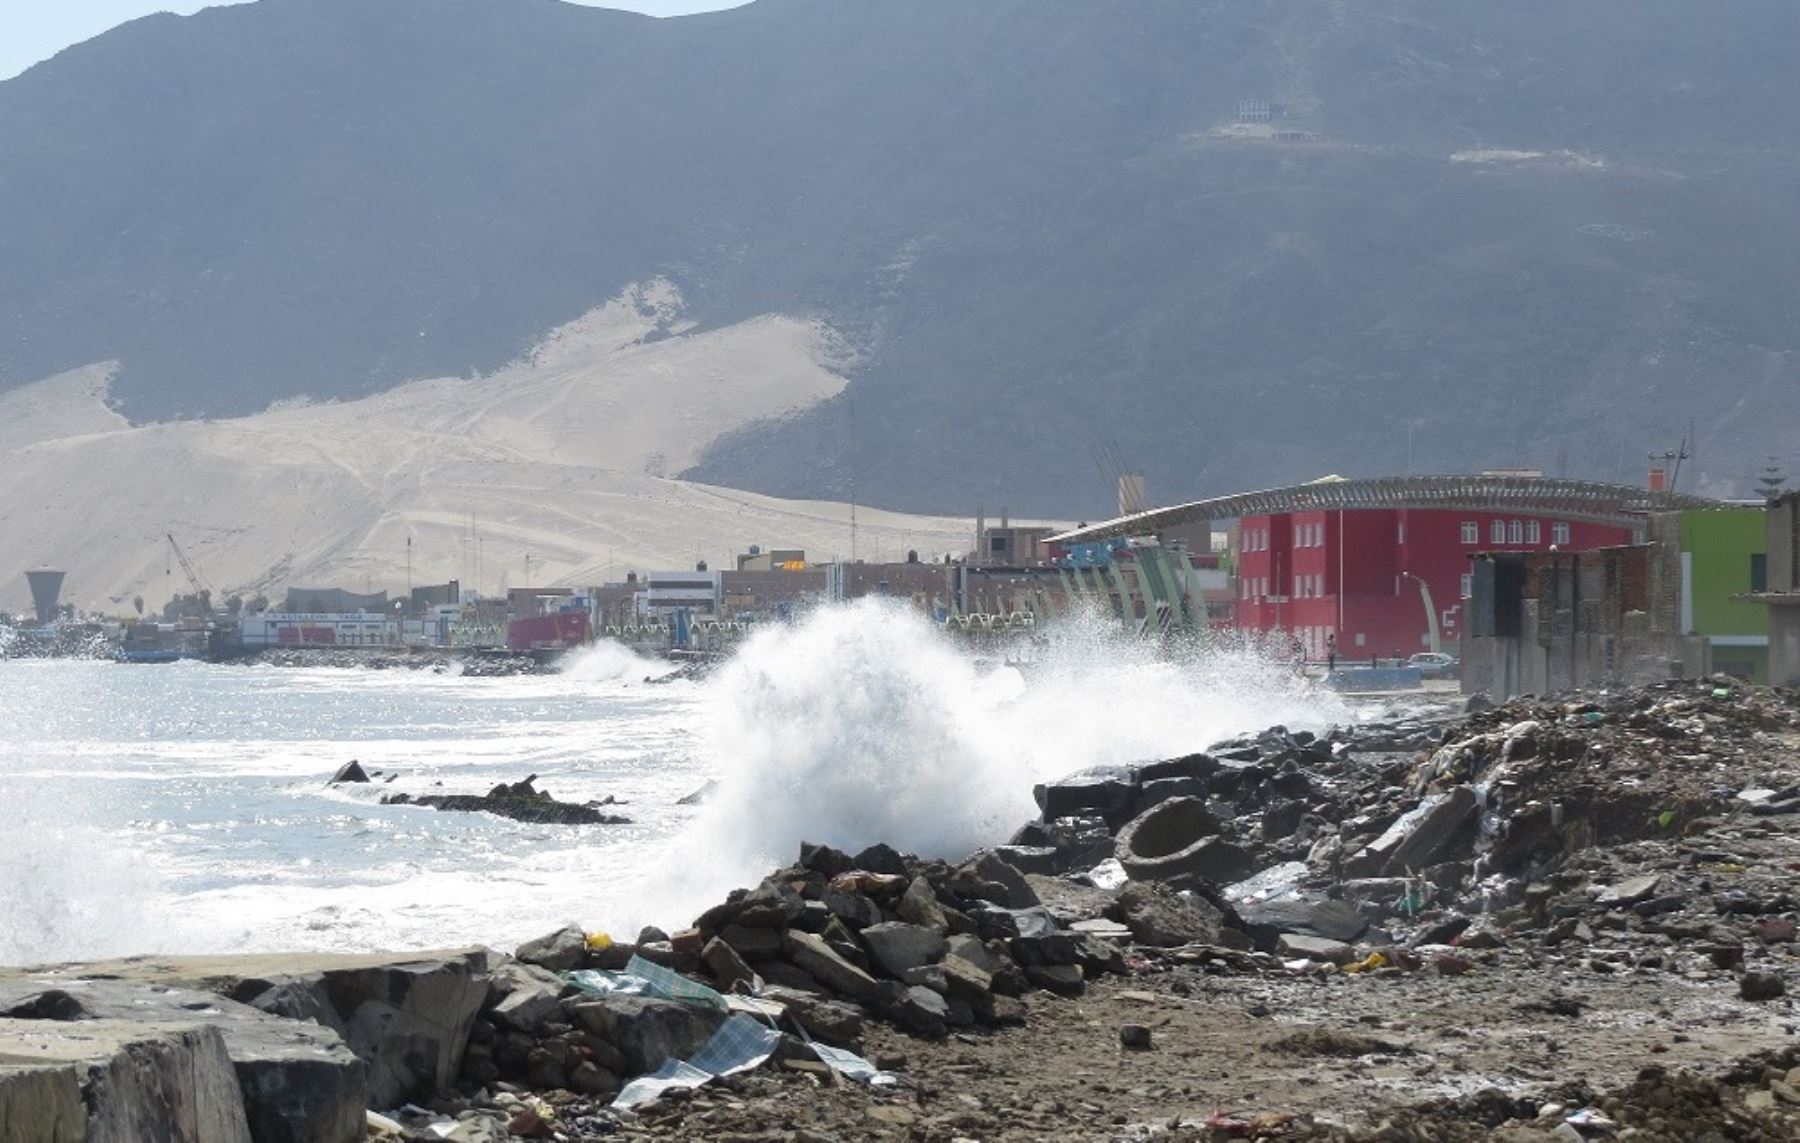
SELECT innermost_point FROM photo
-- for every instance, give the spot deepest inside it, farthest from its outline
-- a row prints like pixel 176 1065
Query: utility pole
pixel 1672 462
pixel 850 404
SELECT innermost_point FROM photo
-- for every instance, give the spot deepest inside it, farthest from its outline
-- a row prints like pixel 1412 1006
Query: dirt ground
pixel 1340 1050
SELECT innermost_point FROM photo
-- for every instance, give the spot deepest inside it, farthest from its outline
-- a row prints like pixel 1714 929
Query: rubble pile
pixel 1754 1100
pixel 1644 833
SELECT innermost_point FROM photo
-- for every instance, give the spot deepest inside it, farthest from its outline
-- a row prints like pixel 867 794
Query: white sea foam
pixel 863 723
pixel 610 662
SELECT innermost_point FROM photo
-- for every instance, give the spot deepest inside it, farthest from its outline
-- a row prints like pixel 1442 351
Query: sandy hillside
pixel 559 457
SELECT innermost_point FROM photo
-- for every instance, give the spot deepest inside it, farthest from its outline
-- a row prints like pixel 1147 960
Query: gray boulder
pixel 1159 917
pixel 816 958
pixel 561 951
pixel 990 879
pixel 727 967
pixel 523 996
pixel 920 906
pixel 647 1030
pixel 898 946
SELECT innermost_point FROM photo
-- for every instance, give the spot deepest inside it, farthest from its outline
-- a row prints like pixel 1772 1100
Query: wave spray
pixel 864 723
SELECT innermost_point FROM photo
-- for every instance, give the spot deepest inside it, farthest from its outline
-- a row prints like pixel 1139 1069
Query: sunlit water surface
pixel 185 807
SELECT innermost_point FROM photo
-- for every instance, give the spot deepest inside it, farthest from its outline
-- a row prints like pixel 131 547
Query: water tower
pixel 46 586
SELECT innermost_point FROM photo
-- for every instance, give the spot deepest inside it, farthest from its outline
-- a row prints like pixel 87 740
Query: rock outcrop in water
pixel 520 801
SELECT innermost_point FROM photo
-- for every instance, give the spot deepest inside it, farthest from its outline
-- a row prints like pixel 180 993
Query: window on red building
pixel 1515 532
pixel 1497 532
pixel 1471 532
pixel 1534 533
pixel 1559 533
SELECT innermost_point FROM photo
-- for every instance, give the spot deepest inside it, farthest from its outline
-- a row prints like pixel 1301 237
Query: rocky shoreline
pixel 1558 919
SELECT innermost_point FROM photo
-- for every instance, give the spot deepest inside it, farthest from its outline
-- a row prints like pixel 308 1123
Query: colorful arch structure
pixel 1624 505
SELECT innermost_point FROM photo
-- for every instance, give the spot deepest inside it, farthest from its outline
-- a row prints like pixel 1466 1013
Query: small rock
pixel 881 858
pixel 1134 1036
pixel 1062 979
pixel 1315 948
pixel 350 771
pixel 1761 986
pixel 1629 891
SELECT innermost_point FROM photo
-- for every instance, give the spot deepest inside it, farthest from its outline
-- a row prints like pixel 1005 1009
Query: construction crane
pixel 194 578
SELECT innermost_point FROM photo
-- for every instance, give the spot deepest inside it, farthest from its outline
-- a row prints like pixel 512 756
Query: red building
pixel 1357 572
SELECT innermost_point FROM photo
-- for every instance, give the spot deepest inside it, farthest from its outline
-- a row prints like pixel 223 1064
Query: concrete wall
pixel 1784 644
pixel 1548 657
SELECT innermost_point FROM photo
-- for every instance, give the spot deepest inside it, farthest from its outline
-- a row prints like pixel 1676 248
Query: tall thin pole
pixel 850 402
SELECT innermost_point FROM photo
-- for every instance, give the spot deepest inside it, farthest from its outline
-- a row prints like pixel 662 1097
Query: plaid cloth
pixel 671 985
pixel 647 978
pixel 741 1043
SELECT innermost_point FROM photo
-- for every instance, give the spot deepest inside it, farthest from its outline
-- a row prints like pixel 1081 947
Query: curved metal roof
pixel 1586 500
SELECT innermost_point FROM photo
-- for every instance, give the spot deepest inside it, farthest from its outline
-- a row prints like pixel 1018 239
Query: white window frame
pixel 1559 533
pixel 1534 532
pixel 1515 531
pixel 1497 531
pixel 1471 532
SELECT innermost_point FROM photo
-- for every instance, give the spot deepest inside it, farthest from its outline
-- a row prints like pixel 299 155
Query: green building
pixel 1722 561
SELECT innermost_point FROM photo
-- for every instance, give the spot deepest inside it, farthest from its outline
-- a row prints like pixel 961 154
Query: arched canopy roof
pixel 1585 500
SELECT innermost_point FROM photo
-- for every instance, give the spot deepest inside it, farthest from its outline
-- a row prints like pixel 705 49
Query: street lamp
pixel 1431 620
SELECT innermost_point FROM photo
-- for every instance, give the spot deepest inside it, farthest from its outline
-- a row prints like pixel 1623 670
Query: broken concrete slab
pixel 409 1020
pixel 299 1082
pixel 1105 791
pixel 41 1102
pixel 1332 920
pixel 136 1081
pixel 407 1017
pixel 1314 948
pixel 1440 829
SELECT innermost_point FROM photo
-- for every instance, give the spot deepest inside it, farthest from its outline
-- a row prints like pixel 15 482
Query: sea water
pixel 186 808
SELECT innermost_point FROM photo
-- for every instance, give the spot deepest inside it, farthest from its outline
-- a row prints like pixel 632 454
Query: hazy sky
pixel 34 30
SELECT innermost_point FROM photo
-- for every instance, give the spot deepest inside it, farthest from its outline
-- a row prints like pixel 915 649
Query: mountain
pixel 1243 242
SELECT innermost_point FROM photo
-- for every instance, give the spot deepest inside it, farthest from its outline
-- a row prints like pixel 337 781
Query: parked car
pixel 1434 664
